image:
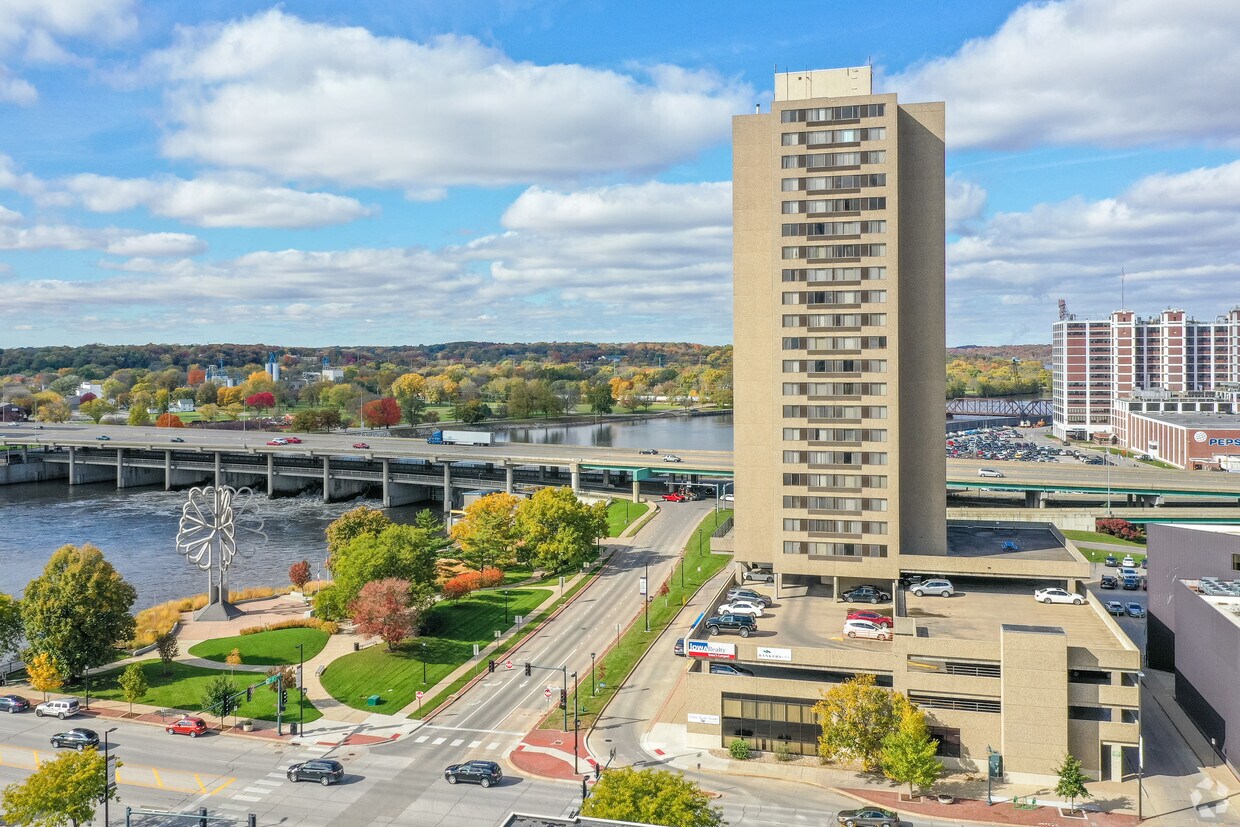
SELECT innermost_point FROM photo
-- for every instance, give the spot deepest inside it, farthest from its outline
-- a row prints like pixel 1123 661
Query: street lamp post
pixel 301 689
pixel 505 608
pixel 422 650
pixel 107 787
pixel 593 691
pixel 646 594
pixel 575 722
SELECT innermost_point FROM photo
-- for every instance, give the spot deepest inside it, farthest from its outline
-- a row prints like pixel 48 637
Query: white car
pixel 671 458
pixel 943 588
pixel 989 472
pixel 866 629
pixel 1128 562
pixel 1057 596
pixel 760 575
pixel 742 607
pixel 1127 572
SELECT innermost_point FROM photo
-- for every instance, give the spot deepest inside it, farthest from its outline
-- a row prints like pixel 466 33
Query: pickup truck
pixel 743 625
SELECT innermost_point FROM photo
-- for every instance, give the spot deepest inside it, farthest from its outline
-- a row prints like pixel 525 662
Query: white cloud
pixel 651 206
pixel 1091 72
pixel 1173 234
pixel 156 244
pixel 8 216
pixel 15 90
pixel 311 101
pixel 215 200
pixel 965 202
pixel 108 239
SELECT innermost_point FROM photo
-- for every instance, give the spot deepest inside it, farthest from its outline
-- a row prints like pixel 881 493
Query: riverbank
pixel 564 421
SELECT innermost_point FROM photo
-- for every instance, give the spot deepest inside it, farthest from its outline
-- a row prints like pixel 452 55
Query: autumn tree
pixel 56 411
pixel 462 585
pixel 43 673
pixel 908 754
pixel 167 647
pixel 856 715
pixel 650 797
pixel 261 401
pixel 299 574
pixel 488 531
pixel 367 546
pixel 381 413
pixel 195 377
pixel 209 412
pixel 138 414
pixel 97 409
pixel 133 684
pixel 11 629
pixel 63 791
pixel 354 523
pixel 169 420
pixel 77 610
pixel 410 392
pixel 558 531
pixel 382 609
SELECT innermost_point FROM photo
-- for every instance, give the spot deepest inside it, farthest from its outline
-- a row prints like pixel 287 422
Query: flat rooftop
pixel 1028 541
pixel 1192 420
pixel 1228 605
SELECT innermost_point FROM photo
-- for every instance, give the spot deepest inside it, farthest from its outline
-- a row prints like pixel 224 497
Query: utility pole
pixel 645 595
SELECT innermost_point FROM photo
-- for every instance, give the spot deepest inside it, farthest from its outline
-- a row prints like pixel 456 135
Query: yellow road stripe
pixel 158 781
pixel 131 775
pixel 198 781
pixel 222 786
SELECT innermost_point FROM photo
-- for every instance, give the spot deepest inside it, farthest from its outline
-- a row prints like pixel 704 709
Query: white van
pixel 989 472
pixel 62 708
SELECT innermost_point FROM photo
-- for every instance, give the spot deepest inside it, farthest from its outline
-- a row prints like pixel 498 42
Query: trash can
pixel 357 647
pixel 292 728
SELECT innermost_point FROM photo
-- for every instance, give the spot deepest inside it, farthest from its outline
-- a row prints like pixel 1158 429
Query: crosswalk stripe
pixel 438 741
pixel 457 742
pixel 474 744
pixel 421 739
pixel 275 775
pixel 247 798
pixel 492 745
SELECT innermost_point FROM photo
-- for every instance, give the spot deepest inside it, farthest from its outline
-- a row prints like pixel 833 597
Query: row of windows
pixel 837 503
pixel 835 297
pixel 836 457
pixel 926 701
pixel 835 365
pixel 835 434
pixel 976 669
pixel 836 411
pixel 834 182
pixel 830 205
pixel 834 342
pixel 835 549
pixel 826 160
pixel 1102 713
pixel 766 721
pixel 836 320
pixel 835 389
pixel 833 113
pixel 835 526
pixel 817 274
pixel 838 481
pixel 834 228
pixel 835 251
pixel 825 137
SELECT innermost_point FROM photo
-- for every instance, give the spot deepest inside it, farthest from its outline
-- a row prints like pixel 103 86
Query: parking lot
pixel 1009 444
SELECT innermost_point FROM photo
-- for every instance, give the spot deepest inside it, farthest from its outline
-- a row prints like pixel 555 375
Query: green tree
pixel 167 648
pixel 44 675
pixel 138 414
pixel 410 391
pixel 97 409
pixel 354 523
pixel 77 610
pixel 217 697
pixel 559 530
pixel 908 754
pixel 407 552
pixel 599 398
pixel 1072 778
pixel 487 534
pixel 63 791
pixel 651 797
pixel 471 412
pixel 856 715
pixel 133 684
pixel 11 629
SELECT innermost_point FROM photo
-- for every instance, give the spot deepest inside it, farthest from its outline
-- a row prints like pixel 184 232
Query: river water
pixel 136 529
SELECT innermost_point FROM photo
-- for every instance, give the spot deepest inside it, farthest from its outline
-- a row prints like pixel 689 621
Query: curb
pixel 233 731
pixel 913 814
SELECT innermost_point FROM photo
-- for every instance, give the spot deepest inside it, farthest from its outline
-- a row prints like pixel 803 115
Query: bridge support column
pixel 1151 500
pixel 327 479
pixel 1129 500
pixel 167 470
pixel 575 476
pixel 637 491
pixel 120 467
pixel 219 473
pixel 509 472
pixel 73 477
pixel 129 477
pixel 447 490
pixel 1035 499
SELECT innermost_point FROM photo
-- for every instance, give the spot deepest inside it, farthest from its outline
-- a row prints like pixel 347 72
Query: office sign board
pixel 699 718
pixel 770 653
pixel 710 650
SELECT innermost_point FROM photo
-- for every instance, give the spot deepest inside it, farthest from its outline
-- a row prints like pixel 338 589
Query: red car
pixel 360 445
pixel 674 498
pixel 193 727
pixel 873 617
pixel 293 440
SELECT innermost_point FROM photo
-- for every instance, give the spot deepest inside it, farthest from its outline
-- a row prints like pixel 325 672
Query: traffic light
pixel 283 698
pixel 528 670
pixel 249 694
pixel 491 666
pixel 598 770
pixel 563 699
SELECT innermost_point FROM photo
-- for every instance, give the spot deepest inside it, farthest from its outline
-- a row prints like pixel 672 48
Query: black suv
pixel 323 770
pixel 13 703
pixel 1107 582
pixel 486 773
pixel 744 625
pixel 78 739
pixel 866 594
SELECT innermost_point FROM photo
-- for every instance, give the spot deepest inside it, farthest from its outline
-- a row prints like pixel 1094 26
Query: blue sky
pixel 374 172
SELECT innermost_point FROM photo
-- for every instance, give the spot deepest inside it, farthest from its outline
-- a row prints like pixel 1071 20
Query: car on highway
pixel 360 445
pixel 671 458
pixel 293 440
pixel 1111 561
pixel 741 607
pixel 674 498
pixel 943 588
pixel 869 816
pixel 989 472
pixel 278 441
pixel 678 648
pixel 177 439
pixel 742 593
pixel 866 629
pixel 1057 596
pixel 62 708
pixel 13 703
pixel 1128 562
pixel 650 451
pixel 193 727
pixel 729 669
pixel 743 625
pixel 1108 582
pixel 1131 584
pixel 866 594
pixel 873 617
pixel 485 773
pixel 323 770
pixel 78 739
pixel 1114 607
pixel 1135 610
pixel 103 437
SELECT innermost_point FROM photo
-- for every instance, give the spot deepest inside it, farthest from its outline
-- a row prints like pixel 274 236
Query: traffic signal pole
pixel 563 670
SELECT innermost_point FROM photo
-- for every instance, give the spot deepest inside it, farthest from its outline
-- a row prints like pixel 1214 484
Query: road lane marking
pixel 275 775
pixel 457 742
pixel 468 729
pixel 222 786
pixel 492 745
pixel 155 773
pixel 421 739
pixel 251 798
pixel 438 741
pixel 474 744
pixel 201 787
pixel 265 781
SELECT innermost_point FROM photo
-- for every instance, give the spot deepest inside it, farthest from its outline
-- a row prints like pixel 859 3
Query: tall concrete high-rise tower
pixel 838 260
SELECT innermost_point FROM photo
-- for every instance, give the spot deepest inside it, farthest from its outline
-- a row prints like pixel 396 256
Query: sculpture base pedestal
pixel 220 610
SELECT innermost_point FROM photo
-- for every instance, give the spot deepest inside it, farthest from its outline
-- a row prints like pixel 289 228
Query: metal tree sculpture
pixel 211 520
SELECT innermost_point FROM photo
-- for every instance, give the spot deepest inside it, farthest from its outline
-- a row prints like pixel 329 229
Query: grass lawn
pixel 1099 555
pixel 453 628
pixel 275 648
pixel 614 668
pixel 1099 537
pixel 184 687
pixel 623 513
